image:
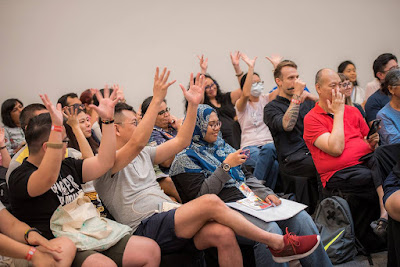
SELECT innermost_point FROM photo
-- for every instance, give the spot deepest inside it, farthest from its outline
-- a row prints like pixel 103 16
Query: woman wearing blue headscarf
pixel 211 166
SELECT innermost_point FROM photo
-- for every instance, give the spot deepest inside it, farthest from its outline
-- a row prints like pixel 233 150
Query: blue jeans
pixel 265 163
pixel 301 224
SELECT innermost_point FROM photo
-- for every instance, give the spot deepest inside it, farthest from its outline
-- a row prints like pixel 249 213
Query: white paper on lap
pixel 284 211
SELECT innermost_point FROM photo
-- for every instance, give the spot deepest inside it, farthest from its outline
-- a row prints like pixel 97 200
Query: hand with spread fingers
pixel 71 114
pixel 275 59
pixel 105 110
pixel 196 90
pixel 55 113
pixel 250 62
pixel 203 64
pixel 120 92
pixel 337 104
pixel 161 84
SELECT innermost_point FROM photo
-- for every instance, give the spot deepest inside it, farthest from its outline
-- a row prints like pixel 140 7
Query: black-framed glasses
pixel 162 112
pixel 392 68
pixel 134 122
pixel 214 124
pixel 208 87
pixel 66 141
pixel 346 84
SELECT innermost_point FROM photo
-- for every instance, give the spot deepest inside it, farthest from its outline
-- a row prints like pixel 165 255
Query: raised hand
pixel 71 114
pixel 105 110
pixel 275 59
pixel 195 93
pixel 299 86
pixel 248 61
pixel 161 84
pixel 235 58
pixel 120 93
pixel 203 64
pixel 236 158
pixel 55 113
pixel 337 104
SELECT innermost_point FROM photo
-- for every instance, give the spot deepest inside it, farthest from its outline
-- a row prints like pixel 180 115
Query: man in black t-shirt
pixel 284 118
pixel 45 180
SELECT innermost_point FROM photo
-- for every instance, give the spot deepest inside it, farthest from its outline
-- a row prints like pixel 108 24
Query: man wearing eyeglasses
pixel 382 65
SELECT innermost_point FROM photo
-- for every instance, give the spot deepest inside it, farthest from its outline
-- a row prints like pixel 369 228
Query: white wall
pixel 67 46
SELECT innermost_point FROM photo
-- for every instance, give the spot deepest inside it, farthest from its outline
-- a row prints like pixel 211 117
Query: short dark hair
pixel 63 100
pixel 243 79
pixel 119 107
pixel 381 61
pixel 37 132
pixel 6 109
pixel 146 104
pixel 392 78
pixel 342 66
pixel 27 113
pixel 281 65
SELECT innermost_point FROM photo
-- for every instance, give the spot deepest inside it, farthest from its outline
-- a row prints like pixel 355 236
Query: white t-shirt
pixel 254 131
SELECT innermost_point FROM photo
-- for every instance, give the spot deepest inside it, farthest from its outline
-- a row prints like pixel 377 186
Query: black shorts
pixel 161 228
pixel 115 253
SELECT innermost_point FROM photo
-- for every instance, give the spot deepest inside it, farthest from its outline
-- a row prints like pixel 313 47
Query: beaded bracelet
pixel 30 254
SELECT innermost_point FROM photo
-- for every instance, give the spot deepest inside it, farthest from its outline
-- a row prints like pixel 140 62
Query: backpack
pixel 335 224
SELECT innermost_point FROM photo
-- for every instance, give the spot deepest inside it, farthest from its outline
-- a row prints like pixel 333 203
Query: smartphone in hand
pixel 374 127
pixel 246 152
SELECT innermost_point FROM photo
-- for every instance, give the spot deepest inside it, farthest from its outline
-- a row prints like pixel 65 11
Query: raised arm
pixel 194 96
pixel 275 59
pixel 242 102
pixel 46 175
pixel 5 156
pixel 71 113
pixel 96 166
pixel 292 113
pixel 235 59
pixel 143 131
pixel 333 143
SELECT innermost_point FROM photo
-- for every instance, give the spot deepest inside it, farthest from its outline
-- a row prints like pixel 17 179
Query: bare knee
pixel 212 202
pixel 68 249
pixel 98 260
pixel 141 251
pixel 221 235
pixel 392 206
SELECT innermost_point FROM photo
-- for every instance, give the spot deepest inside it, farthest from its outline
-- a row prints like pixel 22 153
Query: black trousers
pixel 393 243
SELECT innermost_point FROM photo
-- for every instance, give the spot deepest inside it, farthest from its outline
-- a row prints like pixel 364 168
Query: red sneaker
pixel 296 247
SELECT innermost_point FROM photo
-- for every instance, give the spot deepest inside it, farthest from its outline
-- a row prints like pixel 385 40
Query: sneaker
pixel 296 247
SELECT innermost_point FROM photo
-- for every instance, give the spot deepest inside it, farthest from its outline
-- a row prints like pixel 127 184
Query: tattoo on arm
pixel 290 117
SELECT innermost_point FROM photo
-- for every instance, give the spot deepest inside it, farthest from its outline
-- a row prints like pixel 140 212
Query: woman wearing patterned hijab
pixel 211 166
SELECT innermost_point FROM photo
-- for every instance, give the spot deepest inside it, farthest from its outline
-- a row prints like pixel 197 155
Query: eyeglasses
pixel 345 84
pixel 162 112
pixel 208 87
pixel 258 83
pixel 134 122
pixel 392 68
pixel 66 141
pixel 214 124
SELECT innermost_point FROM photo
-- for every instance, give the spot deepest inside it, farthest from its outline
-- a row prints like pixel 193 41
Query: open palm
pixel 196 90
pixel 106 104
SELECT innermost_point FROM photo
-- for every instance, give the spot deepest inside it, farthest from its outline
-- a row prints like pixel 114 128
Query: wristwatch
pixel 226 167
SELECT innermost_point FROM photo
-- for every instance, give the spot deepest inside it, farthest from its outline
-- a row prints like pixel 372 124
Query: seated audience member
pixel 15 138
pixel 284 118
pixel 37 186
pixel 346 89
pixel 336 134
pixel 165 128
pixel 211 166
pixel 390 113
pixel 224 103
pixel 391 199
pixel 357 93
pixel 69 100
pixel 5 156
pixel 256 136
pixel 28 113
pixel 19 241
pixel 78 130
pixel 382 65
pixel 206 221
pixel 87 99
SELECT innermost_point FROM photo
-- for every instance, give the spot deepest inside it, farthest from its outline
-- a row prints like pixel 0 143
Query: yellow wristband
pixel 55 145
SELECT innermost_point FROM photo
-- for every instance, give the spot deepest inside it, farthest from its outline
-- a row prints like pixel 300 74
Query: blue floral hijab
pixel 203 157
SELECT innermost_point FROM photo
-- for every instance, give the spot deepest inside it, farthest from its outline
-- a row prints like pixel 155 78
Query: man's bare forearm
pixel 290 117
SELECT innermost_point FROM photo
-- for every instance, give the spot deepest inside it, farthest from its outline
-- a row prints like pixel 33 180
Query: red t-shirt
pixel 318 122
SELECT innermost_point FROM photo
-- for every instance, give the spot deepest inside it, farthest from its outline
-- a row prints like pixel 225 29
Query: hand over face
pixel 337 104
pixel 299 86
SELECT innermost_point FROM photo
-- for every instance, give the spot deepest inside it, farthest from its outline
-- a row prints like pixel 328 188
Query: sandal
pixel 379 227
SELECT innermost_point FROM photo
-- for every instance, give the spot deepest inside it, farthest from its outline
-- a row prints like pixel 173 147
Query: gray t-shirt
pixel 2 206
pixel 132 194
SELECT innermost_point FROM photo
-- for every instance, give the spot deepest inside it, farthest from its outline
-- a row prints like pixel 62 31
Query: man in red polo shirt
pixel 335 134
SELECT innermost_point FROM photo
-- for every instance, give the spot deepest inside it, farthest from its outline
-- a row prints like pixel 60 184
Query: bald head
pixel 326 80
pixel 323 74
